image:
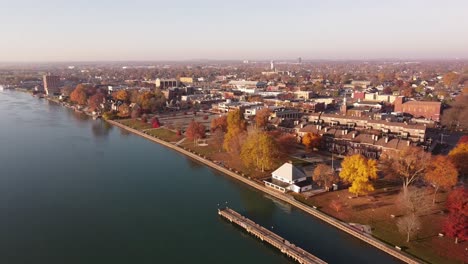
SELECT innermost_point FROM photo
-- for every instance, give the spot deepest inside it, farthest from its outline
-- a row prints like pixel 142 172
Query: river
pixel 77 190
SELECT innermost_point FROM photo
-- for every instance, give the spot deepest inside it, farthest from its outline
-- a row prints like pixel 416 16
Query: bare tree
pixel 408 225
pixel 416 201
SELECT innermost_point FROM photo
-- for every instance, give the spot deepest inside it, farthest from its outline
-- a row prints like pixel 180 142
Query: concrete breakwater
pixel 330 220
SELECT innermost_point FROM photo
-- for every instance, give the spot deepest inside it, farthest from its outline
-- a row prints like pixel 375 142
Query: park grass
pixel 376 209
pixel 164 134
pixel 135 124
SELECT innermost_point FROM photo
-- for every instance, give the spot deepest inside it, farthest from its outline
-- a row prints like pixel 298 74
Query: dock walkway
pixel 273 239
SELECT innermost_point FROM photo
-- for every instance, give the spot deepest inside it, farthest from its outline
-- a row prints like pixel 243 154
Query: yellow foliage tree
pixel 359 171
pixel 260 151
pixel 459 157
pixel 235 126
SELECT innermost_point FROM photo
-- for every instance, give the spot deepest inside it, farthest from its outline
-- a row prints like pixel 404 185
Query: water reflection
pixel 101 129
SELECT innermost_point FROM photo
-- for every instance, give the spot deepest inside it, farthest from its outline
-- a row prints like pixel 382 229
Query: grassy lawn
pixel 135 124
pixel 208 151
pixel 376 209
pixel 164 134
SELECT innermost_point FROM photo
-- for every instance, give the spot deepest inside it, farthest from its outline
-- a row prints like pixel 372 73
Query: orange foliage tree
pixel 459 156
pixel 121 95
pixel 311 140
pixel 195 131
pixel 79 95
pixel 219 123
pixel 95 101
pixel 261 118
pixel 441 173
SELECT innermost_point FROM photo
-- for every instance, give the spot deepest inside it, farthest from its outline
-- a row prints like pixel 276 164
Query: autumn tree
pixel 286 144
pixel 219 123
pixel 261 118
pixel 456 224
pixel 195 131
pixel 324 176
pixel 451 79
pixel 136 112
pixel 235 127
pixel 311 140
pixel 408 165
pixel 217 138
pixel 359 171
pixel 124 110
pixel 95 101
pixel 260 151
pixel 121 95
pixel 79 95
pixel 459 157
pixel 155 122
pixel 441 174
pixel 408 225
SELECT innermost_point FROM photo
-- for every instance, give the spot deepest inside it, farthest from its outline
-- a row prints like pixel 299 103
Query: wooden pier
pixel 273 239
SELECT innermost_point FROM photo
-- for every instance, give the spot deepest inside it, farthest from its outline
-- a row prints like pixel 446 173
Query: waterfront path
pixel 326 218
pixel 291 250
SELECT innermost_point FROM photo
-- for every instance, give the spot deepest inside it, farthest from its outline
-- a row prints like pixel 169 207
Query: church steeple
pixel 344 106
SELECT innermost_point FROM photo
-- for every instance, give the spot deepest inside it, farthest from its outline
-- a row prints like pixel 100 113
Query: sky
pixel 149 30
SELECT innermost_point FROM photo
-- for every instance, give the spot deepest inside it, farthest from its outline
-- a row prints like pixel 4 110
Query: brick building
pixel 426 109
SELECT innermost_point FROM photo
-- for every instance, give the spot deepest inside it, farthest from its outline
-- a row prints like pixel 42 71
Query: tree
pixel 136 112
pixel 124 110
pixel 155 122
pixel 456 224
pixel 144 100
pixel 416 201
pixel 219 123
pixel 79 95
pixel 459 157
pixel 324 176
pixel 409 225
pixel 121 95
pixel 261 118
pixel 259 151
pixel 235 126
pixel 286 143
pixel 217 137
pixel 195 131
pixel 95 101
pixel 408 164
pixel 441 173
pixel 463 139
pixel 311 140
pixel 451 78
pixel 358 171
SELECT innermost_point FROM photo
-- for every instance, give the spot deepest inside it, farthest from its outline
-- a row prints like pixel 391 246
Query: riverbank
pixel 288 199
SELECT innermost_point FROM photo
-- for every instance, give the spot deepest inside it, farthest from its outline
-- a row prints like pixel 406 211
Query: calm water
pixel 74 190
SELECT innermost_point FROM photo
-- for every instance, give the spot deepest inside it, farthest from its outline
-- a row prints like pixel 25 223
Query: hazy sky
pixel 90 30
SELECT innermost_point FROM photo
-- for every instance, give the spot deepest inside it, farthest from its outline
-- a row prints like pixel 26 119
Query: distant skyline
pixel 145 30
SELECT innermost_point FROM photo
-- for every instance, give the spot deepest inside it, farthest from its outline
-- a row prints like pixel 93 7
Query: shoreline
pixel 402 256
